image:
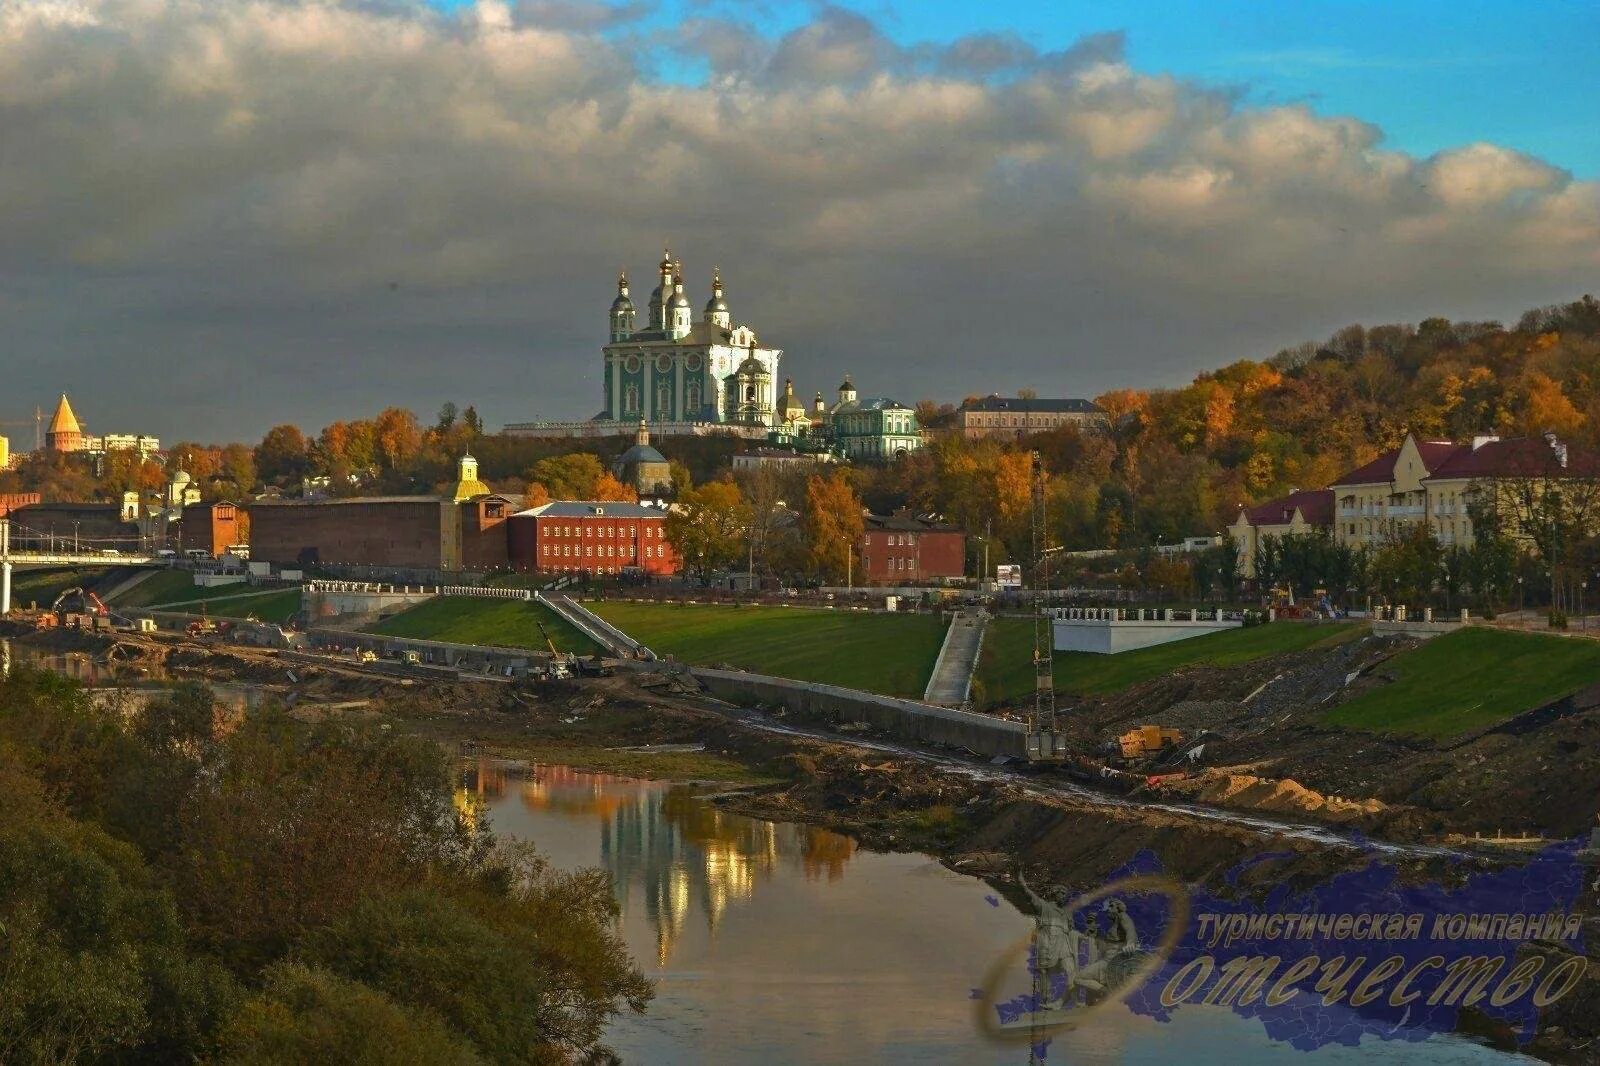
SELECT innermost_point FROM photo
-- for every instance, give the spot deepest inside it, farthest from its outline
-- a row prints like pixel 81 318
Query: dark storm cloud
pixel 220 214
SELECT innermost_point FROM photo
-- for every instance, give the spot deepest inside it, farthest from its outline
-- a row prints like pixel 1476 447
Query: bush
pixel 1558 619
pixel 304 1014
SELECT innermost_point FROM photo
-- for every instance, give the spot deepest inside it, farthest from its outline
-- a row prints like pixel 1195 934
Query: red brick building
pixel 10 501
pixel 407 532
pixel 906 550
pixel 485 532
pixel 211 527
pixel 581 536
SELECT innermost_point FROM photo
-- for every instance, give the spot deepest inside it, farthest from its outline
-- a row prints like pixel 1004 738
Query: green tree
pixel 303 1014
pixel 568 477
pixel 283 455
pixel 708 527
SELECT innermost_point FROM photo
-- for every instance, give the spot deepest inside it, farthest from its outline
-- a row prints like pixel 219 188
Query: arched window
pixel 630 402
pixel 663 399
pixel 691 397
pixel 750 393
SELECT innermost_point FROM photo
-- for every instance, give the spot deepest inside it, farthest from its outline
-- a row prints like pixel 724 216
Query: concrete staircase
pixel 951 682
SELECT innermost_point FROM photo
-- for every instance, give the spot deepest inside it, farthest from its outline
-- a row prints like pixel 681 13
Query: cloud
pixel 223 213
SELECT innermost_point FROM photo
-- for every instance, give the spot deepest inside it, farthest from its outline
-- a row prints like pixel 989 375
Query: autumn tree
pixel 283 455
pixel 709 527
pixel 831 525
pixel 575 476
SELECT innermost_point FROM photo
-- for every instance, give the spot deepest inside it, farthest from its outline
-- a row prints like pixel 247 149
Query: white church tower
pixel 622 312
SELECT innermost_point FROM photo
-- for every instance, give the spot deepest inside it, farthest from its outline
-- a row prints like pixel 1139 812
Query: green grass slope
pixel 42 585
pixel 1471 679
pixel 279 606
pixel 464 620
pixel 891 654
pixel 1005 671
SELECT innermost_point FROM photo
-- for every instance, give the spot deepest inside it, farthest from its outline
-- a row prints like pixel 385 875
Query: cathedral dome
pixel 679 300
pixel 716 303
pixel 621 303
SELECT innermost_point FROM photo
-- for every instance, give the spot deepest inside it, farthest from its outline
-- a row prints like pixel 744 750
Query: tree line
pixel 172 891
pixel 1171 463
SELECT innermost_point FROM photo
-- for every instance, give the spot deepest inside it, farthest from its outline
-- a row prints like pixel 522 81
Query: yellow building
pixel 1432 483
pixel 5 454
pixel 1298 512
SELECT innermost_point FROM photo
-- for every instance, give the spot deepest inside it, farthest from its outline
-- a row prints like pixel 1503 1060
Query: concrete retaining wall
pixel 467 658
pixel 908 719
pixel 1109 630
pixel 1416 628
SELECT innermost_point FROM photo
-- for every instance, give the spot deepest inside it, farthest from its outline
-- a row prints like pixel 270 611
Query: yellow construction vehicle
pixel 1148 740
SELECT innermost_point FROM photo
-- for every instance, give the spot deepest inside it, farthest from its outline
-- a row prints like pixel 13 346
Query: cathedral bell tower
pixel 717 306
pixel 681 321
pixel 622 312
pixel 661 298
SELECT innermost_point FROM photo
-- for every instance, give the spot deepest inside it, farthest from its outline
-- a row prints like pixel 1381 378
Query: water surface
pixel 775 943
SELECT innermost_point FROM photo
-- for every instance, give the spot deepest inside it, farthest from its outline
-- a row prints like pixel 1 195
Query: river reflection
pixel 774 943
pixel 685 860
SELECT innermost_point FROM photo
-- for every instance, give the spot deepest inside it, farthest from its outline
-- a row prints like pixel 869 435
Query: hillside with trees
pixel 1174 462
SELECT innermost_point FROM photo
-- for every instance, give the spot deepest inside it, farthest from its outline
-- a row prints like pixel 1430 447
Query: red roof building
pixel 1299 512
pixel 591 537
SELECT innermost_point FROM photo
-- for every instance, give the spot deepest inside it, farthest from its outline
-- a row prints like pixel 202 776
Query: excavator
pixel 75 607
pixel 564 664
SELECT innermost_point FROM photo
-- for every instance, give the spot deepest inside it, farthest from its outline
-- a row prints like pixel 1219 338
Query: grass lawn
pixel 279 606
pixel 464 620
pixel 1005 672
pixel 43 585
pixel 175 590
pixel 1471 679
pixel 892 654
pixel 161 586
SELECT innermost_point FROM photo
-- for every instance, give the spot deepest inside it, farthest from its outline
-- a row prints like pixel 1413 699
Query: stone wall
pixel 908 719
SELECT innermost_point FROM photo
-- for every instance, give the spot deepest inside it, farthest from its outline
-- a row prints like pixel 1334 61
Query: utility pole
pixel 5 566
pixel 1044 686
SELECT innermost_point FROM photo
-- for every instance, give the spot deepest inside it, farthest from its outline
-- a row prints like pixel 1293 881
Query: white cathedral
pixel 680 375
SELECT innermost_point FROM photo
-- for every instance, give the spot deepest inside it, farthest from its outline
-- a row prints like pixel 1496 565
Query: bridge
pixel 81 553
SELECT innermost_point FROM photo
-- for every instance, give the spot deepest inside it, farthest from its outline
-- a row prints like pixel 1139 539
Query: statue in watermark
pixel 1068 961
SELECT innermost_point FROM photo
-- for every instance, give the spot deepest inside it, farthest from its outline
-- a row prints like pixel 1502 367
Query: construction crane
pixel 561 663
pixel 1043 742
pixel 37 422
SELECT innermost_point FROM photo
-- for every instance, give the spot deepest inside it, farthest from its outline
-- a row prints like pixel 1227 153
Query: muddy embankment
pixel 986 821
pixel 1273 751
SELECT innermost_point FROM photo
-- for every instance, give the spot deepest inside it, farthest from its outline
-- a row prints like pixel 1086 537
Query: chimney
pixel 1556 446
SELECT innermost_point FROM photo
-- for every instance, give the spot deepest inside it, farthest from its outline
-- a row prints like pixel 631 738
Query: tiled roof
pixel 591 508
pixel 333 501
pixel 1314 505
pixel 1381 470
pixel 908 523
pixel 1027 404
pixel 1516 457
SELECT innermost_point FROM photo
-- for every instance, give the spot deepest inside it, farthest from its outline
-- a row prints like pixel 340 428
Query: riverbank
pixel 974 817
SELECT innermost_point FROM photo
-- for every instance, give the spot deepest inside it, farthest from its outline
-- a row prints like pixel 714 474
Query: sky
pixel 220 215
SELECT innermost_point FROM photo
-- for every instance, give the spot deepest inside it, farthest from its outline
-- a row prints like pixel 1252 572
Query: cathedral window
pixel 630 402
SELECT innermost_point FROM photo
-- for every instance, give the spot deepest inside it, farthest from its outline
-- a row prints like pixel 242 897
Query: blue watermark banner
pixel 1362 955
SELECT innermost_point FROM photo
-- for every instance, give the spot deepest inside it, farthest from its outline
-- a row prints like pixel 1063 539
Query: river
pixel 775 943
